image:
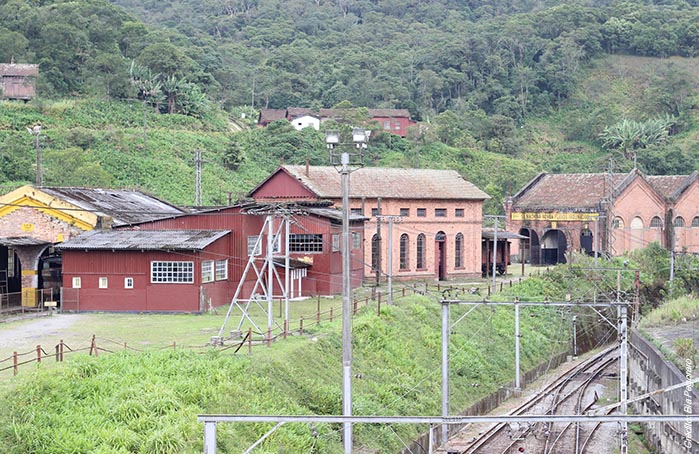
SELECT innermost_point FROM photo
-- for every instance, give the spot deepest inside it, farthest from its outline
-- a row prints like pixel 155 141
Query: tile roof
pixel 668 185
pixel 18 69
pixel 158 240
pixel 567 191
pixel 389 183
pixel 123 206
pixel 295 112
pixel 270 115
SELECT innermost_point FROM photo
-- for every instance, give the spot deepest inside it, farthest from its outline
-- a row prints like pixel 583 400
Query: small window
pixel 254 246
pixel 458 250
pixel 404 245
pixel 207 271
pixel 277 244
pixel 387 124
pixel 440 212
pixel 405 211
pixel 128 282
pixel 695 221
pixel 77 282
pixel 375 212
pixel 618 223
pixel 336 242
pixel 421 212
pixel 679 221
pixel 459 212
pixel 375 245
pixel 305 242
pixel 356 240
pixel 104 282
pixel 657 222
pixel 357 211
pixel 420 262
pixel 221 270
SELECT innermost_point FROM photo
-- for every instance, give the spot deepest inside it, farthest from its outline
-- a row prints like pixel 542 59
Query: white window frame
pixel 221 270
pixel 336 242
pixel 128 282
pixel 252 241
pixel 306 243
pixel 356 240
pixel 171 272
pixel 77 282
pixel 207 271
pixel 103 282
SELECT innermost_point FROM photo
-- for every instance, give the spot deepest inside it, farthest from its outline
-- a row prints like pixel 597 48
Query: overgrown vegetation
pixel 148 402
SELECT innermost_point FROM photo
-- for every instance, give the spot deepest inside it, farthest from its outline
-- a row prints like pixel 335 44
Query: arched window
pixel 375 252
pixel 636 223
pixel 656 222
pixel 421 251
pixel 679 221
pixel 458 250
pixel 695 221
pixel 618 223
pixel 404 245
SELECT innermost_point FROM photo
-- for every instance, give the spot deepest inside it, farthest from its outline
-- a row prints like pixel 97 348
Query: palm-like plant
pixel 629 136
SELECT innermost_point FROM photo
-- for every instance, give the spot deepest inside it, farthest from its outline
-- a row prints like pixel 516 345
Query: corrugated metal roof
pixel 22 241
pixel 389 183
pixel 123 206
pixel 144 239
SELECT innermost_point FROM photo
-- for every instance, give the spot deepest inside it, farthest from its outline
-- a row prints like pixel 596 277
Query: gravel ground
pixel 23 333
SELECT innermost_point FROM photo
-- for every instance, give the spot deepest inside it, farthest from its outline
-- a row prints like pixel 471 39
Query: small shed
pixel 146 270
pixel 18 81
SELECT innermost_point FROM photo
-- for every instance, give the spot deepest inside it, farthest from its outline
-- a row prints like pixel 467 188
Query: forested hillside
pixel 502 89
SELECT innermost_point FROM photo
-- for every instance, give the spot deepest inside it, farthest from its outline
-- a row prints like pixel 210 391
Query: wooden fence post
pixel 38 353
pixel 249 341
pixel 354 307
pixel 301 326
pixel 174 345
pixel 331 313
pixel 317 312
pixel 378 306
pixel 286 325
pixel 269 337
pixel 14 362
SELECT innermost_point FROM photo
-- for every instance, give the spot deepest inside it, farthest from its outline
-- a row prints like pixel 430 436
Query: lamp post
pixel 343 162
pixel 36 132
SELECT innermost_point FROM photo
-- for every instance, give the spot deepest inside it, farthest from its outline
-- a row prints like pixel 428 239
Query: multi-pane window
pixel 404 245
pixel 458 250
pixel 104 282
pixel 695 221
pixel 357 211
pixel 421 212
pixel 679 221
pixel 375 212
pixel 375 243
pixel 440 212
pixel 336 242
pixel 77 282
pixel 128 282
pixel 656 222
pixel 459 212
pixel 618 223
pixel 305 242
pixel 420 251
pixel 356 240
pixel 254 246
pixel 172 272
pixel 207 271
pixel 405 211
pixel 221 270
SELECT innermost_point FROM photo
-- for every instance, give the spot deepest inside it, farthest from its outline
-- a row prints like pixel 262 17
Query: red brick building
pixel 437 215
pixel 608 213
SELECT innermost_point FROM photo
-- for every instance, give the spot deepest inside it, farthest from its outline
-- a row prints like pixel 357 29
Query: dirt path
pixel 22 334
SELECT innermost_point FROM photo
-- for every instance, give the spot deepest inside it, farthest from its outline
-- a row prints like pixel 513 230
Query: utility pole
pixel 378 242
pixel 197 178
pixel 495 246
pixel 36 132
pixel 390 253
pixel 623 365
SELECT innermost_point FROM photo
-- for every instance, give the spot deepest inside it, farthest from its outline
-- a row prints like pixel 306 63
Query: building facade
pixel 604 213
pixel 18 81
pixel 432 217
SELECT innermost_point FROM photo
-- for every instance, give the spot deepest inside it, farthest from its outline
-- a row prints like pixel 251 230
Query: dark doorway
pixel 553 247
pixel 441 255
pixel 586 241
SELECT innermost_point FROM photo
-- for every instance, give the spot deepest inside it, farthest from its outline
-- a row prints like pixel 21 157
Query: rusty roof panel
pixel 144 239
pixel 123 206
pixel 389 183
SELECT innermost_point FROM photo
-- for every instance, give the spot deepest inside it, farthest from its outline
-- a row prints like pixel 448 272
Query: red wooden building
pixel 18 81
pixel 214 270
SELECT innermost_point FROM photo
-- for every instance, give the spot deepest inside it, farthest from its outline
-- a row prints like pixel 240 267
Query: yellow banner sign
pixel 552 216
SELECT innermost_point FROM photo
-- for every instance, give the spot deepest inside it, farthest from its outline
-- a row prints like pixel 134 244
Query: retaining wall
pixel 650 371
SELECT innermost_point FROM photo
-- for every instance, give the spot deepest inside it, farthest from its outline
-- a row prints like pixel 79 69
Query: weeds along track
pixel 573 393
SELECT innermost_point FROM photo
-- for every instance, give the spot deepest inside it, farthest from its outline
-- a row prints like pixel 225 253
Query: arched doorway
pixel 10 278
pixel 553 247
pixel 440 255
pixel 586 242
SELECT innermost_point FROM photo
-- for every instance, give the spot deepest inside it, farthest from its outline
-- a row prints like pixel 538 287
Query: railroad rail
pixel 570 393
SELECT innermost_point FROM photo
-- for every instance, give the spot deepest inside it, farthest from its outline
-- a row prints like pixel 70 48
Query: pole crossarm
pixel 434 420
pixel 541 303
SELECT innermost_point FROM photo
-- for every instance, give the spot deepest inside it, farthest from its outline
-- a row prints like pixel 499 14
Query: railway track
pixel 575 392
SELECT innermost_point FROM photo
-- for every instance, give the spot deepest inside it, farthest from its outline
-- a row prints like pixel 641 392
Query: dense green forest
pixel 503 90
